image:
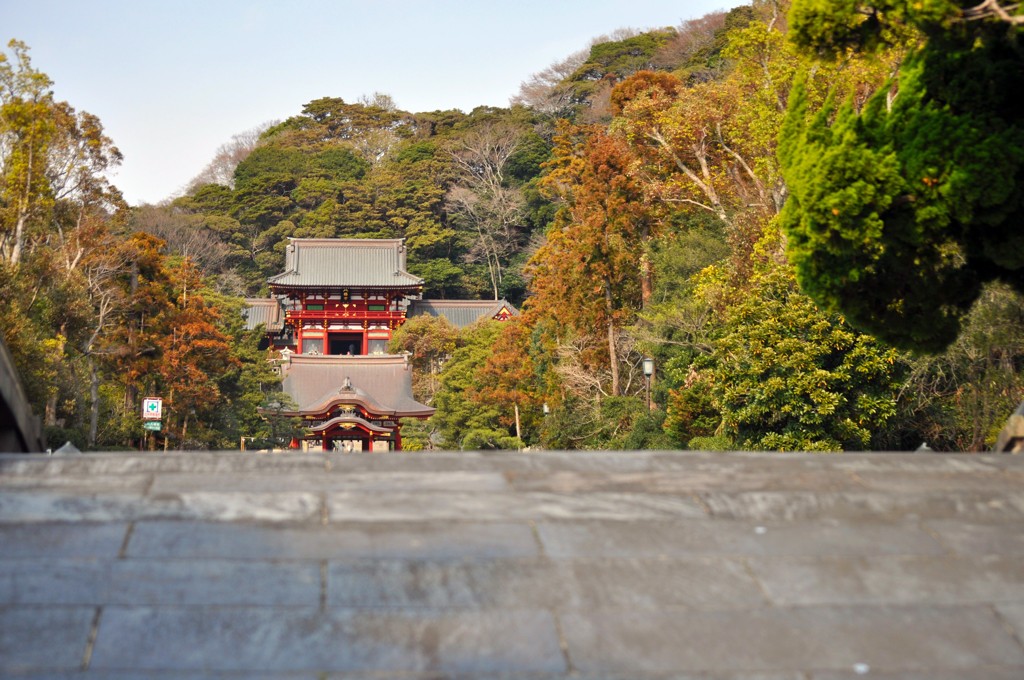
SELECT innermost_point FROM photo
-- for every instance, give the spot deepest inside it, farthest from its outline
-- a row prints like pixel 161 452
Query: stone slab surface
pixel 494 566
pixel 271 481
pixel 222 540
pixel 766 506
pixel 158 582
pixel 943 579
pixel 977 538
pixel 778 638
pixel 687 537
pixel 495 507
pixel 283 639
pixel 43 638
pixel 69 505
pixel 980 673
pixel 53 540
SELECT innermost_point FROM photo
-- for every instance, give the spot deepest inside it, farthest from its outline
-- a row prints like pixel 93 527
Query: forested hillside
pixel 633 200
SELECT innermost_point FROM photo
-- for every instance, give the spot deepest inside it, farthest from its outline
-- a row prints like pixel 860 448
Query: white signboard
pixel 152 408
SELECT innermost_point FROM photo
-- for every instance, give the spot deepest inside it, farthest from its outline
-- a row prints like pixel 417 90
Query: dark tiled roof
pixel 460 313
pixel 383 382
pixel 266 311
pixel 345 263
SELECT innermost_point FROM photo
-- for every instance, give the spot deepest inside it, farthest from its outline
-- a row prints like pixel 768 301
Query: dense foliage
pixel 903 210
pixel 766 208
pixel 459 188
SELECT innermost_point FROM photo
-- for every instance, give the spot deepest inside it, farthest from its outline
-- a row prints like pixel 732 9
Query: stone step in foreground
pixel 542 565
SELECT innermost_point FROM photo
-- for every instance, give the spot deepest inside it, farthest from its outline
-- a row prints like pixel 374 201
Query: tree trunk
pixel 19 238
pixel 495 274
pixel 23 213
pixel 650 386
pixel 94 402
pixel 50 413
pixel 646 281
pixel 519 431
pixel 613 356
pixel 167 417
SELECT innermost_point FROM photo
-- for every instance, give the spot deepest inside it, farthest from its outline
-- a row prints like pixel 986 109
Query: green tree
pixel 901 212
pixel 462 421
pixel 27 128
pixel 278 430
pixel 59 257
pixel 248 381
pixel 608 62
pixel 430 341
pixel 786 376
pixel 958 400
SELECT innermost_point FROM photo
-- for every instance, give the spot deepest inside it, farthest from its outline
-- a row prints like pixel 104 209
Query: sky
pixel 173 80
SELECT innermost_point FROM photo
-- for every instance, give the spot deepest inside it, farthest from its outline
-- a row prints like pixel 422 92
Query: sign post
pixel 152 408
pixel 152 413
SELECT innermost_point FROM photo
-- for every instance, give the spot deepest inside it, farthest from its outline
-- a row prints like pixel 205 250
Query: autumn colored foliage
pixel 718 235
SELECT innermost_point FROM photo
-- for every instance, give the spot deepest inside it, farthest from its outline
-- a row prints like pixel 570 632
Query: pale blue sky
pixel 173 80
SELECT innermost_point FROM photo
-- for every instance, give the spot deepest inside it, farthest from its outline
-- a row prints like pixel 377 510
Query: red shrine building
pixel 331 315
pixel 351 403
pixel 343 297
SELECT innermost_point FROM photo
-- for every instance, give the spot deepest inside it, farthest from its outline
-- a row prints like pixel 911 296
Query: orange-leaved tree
pixel 591 273
pixel 509 378
pixel 194 354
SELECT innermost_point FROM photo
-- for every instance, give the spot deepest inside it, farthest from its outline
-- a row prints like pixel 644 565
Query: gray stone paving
pixel 596 566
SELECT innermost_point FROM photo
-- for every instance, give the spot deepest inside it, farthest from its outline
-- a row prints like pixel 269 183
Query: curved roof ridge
pixel 350 359
pixel 337 420
pixel 346 242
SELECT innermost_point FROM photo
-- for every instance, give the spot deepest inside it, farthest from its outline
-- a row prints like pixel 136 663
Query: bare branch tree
pixel 692 36
pixel 221 169
pixel 1008 12
pixel 481 200
pixel 546 90
pixel 379 100
pixel 184 236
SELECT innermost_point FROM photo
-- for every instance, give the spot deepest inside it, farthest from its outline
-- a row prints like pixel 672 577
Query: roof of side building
pixel 345 263
pixel 462 313
pixel 266 311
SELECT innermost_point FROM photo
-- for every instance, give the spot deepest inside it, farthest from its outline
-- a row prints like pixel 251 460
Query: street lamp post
pixel 648 373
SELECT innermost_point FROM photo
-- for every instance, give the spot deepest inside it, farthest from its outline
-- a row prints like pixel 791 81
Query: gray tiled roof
pixel 345 263
pixel 384 380
pixel 460 313
pixel 266 311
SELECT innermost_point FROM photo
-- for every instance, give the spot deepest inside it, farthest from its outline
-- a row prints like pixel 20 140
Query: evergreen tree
pixel 901 212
